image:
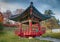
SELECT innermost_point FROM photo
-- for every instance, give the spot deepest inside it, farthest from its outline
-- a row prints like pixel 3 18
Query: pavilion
pixel 30 16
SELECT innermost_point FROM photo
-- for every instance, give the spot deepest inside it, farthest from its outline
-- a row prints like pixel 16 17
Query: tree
pixel 18 11
pixel 1 21
pixel 1 26
pixel 8 13
pixel 58 21
pixel 49 12
pixel 52 22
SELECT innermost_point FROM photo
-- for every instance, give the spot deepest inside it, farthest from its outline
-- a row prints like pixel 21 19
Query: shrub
pixel 1 27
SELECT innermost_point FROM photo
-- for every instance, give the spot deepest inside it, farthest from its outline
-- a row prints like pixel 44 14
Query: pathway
pixel 49 39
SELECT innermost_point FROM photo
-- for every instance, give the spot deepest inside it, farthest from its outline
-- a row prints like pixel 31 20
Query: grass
pixel 52 35
pixel 11 37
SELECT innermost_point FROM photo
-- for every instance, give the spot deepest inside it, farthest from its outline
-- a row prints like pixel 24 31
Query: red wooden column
pixel 39 27
pixel 30 26
pixel 20 27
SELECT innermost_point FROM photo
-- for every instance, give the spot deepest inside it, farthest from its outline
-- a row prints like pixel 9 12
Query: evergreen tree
pixel 49 12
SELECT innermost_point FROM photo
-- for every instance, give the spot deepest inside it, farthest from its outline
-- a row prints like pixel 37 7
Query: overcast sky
pixel 41 5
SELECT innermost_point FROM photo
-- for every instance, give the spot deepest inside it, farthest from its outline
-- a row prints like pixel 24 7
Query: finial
pixel 31 3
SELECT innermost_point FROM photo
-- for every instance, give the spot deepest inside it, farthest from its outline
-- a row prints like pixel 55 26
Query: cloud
pixel 12 7
pixel 57 14
pixel 41 5
pixel 14 1
pixel 44 7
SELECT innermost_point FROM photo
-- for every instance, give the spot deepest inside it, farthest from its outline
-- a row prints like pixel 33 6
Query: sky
pixel 41 5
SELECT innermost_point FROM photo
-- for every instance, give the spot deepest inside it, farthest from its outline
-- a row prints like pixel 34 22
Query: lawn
pixel 9 36
pixel 52 35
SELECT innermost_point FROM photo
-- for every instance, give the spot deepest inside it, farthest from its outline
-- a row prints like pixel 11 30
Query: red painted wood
pixel 30 25
pixel 39 27
pixel 30 10
pixel 29 32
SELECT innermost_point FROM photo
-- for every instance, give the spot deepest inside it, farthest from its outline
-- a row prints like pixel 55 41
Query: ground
pixel 9 36
pixel 52 35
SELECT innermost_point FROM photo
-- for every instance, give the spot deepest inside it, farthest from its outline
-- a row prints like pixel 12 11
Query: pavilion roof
pixel 35 14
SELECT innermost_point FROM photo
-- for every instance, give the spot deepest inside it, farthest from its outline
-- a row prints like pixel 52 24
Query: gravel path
pixel 49 39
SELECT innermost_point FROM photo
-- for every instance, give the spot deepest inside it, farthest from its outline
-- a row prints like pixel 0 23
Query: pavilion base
pixel 29 33
pixel 30 37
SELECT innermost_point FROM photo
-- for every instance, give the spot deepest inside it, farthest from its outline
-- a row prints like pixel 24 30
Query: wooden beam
pixel 28 21
pixel 25 21
pixel 24 16
pixel 36 16
pixel 35 21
